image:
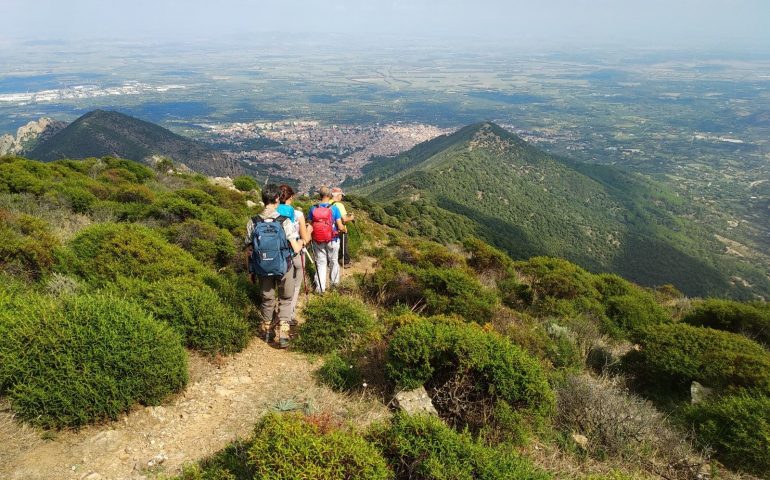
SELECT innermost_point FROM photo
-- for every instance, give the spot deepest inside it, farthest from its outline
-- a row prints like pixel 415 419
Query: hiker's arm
pixel 341 226
pixel 297 245
pixel 304 232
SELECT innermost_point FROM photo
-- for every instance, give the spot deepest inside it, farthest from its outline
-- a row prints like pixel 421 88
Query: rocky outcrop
pixel 29 135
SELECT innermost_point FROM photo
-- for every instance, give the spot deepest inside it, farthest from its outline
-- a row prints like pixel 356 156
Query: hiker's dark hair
pixel 286 192
pixel 270 193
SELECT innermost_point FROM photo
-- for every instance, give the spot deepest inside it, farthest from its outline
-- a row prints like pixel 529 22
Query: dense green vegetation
pixel 673 356
pixel 68 362
pixel 116 268
pixel 424 448
pixel 485 182
pixel 738 428
pixel 752 319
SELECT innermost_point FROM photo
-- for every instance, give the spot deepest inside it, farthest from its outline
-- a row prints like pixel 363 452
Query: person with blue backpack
pixel 326 221
pixel 274 261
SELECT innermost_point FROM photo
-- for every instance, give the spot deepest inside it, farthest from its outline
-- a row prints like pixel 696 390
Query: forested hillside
pixel 100 133
pixel 487 182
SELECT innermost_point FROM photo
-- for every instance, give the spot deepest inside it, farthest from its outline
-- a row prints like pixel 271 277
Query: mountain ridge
pixel 530 203
pixel 102 133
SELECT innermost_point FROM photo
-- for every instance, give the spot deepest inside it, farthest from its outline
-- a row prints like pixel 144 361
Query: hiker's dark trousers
pixel 344 253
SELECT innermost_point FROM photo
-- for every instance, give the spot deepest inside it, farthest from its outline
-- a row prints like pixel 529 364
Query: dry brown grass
pixel 621 426
pixel 15 437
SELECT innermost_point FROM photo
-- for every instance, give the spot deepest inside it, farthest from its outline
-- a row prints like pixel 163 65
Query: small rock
pixel 699 393
pixel 581 440
pixel 415 401
pixel 224 392
pixel 92 476
pixel 157 460
pixel 250 204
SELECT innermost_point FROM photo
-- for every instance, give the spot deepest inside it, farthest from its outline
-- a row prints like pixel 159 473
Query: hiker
pixel 327 223
pixel 302 233
pixel 337 195
pixel 274 260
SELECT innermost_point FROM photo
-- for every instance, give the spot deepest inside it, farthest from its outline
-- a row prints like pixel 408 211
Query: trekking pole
pixel 304 275
pixel 317 274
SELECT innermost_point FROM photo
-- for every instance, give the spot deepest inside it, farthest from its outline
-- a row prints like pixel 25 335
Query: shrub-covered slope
pixel 109 270
pixel 486 182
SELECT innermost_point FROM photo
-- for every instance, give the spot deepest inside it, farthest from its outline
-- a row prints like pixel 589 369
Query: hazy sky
pixel 707 23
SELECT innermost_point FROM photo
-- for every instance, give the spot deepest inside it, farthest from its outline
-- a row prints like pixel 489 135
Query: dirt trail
pixel 221 402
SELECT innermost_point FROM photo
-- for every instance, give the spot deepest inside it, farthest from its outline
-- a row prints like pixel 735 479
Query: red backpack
pixel 323 226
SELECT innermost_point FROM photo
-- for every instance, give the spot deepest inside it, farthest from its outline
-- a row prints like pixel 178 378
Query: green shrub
pixel 393 283
pixel 288 447
pixel 487 260
pixel 244 183
pixel 339 373
pixel 78 199
pixel 424 448
pixel 195 196
pixel 611 285
pixel 194 310
pixel 496 377
pixel 105 252
pixel 674 355
pixel 737 427
pixel 334 322
pixel 27 246
pixel 454 291
pixel 173 209
pixel 558 278
pixel 134 194
pixel 85 359
pixel 628 313
pixel 732 316
pixel 206 242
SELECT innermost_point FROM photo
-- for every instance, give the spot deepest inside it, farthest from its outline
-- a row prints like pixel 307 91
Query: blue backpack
pixel 271 252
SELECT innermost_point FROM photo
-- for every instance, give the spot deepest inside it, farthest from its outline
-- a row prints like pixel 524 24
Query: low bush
pixel 334 322
pixel 674 355
pixel 339 373
pixel 487 260
pixel 630 312
pixel 729 315
pixel 558 278
pixel 474 376
pixel 621 426
pixel 27 246
pixel 244 183
pixel 454 291
pixel 737 427
pixel 104 252
pixel 288 447
pixel 82 359
pixel 193 309
pixel 431 290
pixel 424 448
pixel 553 344
pixel 173 209
pixel 134 194
pixel 207 243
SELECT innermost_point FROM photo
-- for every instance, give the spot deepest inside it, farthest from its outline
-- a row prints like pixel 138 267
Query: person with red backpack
pixel 326 221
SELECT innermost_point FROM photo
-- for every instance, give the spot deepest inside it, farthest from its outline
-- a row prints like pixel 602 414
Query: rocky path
pixel 222 402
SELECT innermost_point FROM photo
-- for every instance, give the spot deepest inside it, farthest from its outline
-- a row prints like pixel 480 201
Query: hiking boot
pixel 269 336
pixel 283 342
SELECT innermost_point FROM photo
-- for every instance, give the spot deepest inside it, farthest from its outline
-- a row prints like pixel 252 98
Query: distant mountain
pixel 30 135
pixel 100 133
pixel 485 181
